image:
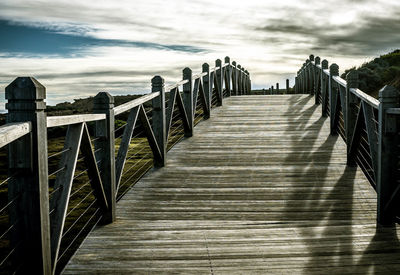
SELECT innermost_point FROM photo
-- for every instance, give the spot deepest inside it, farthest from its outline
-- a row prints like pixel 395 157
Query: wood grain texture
pixel 13 131
pixel 260 188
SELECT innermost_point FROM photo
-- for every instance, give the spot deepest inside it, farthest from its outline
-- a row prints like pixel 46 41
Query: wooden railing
pixel 370 128
pixel 55 193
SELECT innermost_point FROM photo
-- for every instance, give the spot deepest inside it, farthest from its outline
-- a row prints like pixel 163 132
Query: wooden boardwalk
pixel 260 188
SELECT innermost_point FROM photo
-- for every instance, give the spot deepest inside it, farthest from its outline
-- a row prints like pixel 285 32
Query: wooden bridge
pixel 262 184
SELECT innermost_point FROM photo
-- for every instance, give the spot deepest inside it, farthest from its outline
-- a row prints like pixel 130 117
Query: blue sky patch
pixel 30 40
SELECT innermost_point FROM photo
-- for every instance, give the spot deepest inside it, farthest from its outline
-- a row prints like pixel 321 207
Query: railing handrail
pixel 56 121
pixel 177 84
pixel 104 167
pixel 13 131
pixel 134 103
pixel 365 97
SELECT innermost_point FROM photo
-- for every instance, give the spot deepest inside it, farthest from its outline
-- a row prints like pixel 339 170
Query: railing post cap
pixel 352 79
pixel 324 64
pixel 187 70
pixel 103 100
pixel 157 80
pixel 227 59
pixel 307 61
pixel 25 88
pixel 239 66
pixel 389 94
pixel 218 62
pixel 334 69
pixel 234 63
pixel 205 67
pixel 311 57
pixel 318 60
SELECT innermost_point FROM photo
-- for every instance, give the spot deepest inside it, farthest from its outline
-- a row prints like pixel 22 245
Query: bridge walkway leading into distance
pixel 261 187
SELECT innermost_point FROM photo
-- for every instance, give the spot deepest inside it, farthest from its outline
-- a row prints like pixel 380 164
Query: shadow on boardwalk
pixel 331 211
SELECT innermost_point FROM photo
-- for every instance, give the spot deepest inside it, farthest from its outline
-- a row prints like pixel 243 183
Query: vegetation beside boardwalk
pixel 375 74
pixel 82 212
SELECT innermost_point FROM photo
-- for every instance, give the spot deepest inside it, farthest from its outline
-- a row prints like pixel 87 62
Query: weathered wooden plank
pixel 176 85
pixel 264 189
pixel 56 121
pixel 134 103
pixel 13 131
pixel 367 98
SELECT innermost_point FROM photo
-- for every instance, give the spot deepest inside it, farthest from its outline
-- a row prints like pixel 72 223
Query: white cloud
pixel 292 30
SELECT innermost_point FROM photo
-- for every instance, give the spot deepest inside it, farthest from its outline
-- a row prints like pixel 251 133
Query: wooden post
pixel 207 89
pixel 307 72
pixel 243 81
pixel 220 80
pixel 304 80
pixel 316 80
pixel 333 71
pixel 287 86
pixel 159 119
pixel 277 88
pixel 350 114
pixel 188 100
pixel 234 79
pixel 299 82
pixel 388 141
pixel 239 68
pixel 228 73
pixel 312 74
pixel 272 90
pixel 324 91
pixel 296 84
pixel 248 85
pixel 104 104
pixel 28 184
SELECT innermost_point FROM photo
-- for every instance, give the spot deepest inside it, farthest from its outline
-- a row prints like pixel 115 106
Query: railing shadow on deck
pixel 369 127
pixel 339 227
pixel 57 195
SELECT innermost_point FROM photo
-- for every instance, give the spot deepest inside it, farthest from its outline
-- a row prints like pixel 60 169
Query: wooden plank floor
pixel 260 188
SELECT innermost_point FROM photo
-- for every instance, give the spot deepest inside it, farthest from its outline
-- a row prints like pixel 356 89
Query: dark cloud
pixel 368 36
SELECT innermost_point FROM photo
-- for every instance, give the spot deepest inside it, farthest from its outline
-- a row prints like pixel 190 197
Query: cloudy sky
pixel 77 48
